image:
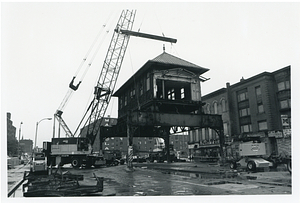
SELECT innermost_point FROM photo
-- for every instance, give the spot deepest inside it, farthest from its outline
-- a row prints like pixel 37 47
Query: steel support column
pixel 130 146
pixel 185 120
pixel 166 137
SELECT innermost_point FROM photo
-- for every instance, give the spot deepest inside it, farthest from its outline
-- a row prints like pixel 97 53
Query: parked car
pixel 38 162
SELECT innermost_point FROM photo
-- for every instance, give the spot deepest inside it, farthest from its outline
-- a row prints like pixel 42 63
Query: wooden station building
pixel 163 96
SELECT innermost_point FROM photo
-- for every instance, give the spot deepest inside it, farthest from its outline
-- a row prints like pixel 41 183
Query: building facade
pixel 205 143
pixel 26 146
pixel 12 142
pixel 165 84
pixel 258 107
pixel 141 145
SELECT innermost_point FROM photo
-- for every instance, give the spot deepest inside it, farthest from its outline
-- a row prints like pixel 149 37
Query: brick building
pixel 180 144
pixel 258 107
pixel 26 145
pixel 12 143
pixel 141 145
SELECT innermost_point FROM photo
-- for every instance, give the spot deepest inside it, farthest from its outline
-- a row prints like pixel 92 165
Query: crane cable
pixel 88 105
pixel 73 88
pixel 142 22
pixel 159 24
pixel 92 91
pixel 93 44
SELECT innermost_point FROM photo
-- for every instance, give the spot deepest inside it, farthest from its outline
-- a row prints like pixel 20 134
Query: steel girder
pixel 149 123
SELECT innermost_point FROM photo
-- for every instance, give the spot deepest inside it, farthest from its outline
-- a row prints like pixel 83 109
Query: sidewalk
pixel 15 175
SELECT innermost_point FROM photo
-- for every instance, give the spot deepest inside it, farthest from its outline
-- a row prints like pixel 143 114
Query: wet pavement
pixel 178 179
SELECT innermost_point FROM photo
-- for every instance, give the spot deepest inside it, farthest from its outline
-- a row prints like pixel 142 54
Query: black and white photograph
pixel 150 101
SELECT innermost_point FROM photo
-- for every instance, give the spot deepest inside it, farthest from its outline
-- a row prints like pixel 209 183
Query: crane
pixel 108 76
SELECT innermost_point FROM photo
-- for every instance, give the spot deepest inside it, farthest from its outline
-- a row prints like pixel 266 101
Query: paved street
pixel 177 179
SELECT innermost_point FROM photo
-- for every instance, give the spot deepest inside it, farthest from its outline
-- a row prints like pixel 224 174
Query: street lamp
pixel 36 129
pixel 19 149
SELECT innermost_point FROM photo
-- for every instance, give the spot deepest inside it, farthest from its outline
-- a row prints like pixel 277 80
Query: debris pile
pixel 60 184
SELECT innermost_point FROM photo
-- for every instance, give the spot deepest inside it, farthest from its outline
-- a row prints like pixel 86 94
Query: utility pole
pixel 19 149
pixel 36 129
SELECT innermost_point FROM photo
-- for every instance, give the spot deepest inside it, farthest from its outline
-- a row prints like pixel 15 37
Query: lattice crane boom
pixel 108 75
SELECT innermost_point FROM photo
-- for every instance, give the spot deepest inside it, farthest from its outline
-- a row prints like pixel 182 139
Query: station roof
pixel 163 61
pixel 169 59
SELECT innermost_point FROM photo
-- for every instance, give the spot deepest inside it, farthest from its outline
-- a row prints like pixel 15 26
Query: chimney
pixel 8 115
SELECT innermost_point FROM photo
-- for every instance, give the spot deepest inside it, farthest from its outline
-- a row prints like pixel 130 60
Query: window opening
pixel 260 108
pixel 262 125
pixel 242 95
pixel 244 112
pixel 223 105
pixel 182 93
pixel 171 94
pixel 216 108
pixel 246 128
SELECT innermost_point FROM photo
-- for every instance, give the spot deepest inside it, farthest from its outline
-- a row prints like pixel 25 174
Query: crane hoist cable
pixel 89 105
pixel 93 44
pixel 142 22
pixel 96 51
pixel 71 90
pixel 73 87
pixel 93 106
pixel 109 73
pixel 112 19
pixel 159 24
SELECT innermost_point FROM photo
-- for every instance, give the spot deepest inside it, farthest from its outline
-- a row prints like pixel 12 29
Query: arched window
pixel 223 103
pixel 215 108
pixel 208 108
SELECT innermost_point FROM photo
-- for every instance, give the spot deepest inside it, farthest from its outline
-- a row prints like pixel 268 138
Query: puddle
pixel 197 175
pixel 234 186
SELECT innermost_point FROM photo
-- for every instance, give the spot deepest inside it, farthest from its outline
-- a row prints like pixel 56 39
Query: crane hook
pixel 72 86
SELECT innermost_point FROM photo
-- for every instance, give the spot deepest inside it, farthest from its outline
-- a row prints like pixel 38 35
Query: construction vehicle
pixel 262 152
pixel 160 155
pixel 74 150
pixel 68 149
pixel 38 162
pixel 282 152
pixel 113 157
pixel 250 156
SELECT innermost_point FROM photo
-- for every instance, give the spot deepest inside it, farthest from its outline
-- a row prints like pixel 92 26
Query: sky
pixel 43 44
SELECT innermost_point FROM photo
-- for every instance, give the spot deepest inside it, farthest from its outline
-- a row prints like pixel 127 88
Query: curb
pixel 15 187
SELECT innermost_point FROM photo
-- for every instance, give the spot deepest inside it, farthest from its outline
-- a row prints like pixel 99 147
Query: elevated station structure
pixel 162 97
